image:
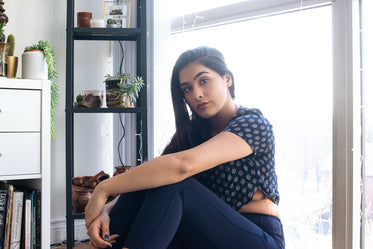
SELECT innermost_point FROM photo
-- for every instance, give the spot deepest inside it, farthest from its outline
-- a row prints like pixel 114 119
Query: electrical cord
pixel 140 147
pixel 121 139
pixel 120 117
pixel 121 62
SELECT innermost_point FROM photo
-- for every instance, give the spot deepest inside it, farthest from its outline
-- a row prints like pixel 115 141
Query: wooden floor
pixel 78 245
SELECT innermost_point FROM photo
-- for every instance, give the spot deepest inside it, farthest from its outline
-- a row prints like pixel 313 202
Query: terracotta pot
pixel 121 169
pixel 80 198
pixel 84 19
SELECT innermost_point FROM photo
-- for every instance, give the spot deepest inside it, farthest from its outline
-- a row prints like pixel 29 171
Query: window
pixel 367 104
pixel 282 65
pixel 296 62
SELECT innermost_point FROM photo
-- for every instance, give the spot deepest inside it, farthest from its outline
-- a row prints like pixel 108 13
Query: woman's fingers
pixel 96 240
pixel 105 230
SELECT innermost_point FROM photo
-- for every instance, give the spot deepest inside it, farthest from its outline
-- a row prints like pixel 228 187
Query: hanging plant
pixel 49 56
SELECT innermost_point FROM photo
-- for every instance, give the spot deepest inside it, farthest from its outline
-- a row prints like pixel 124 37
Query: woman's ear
pixel 228 79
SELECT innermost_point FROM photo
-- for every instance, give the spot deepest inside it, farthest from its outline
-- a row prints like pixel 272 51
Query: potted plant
pixel 122 90
pixel 11 60
pixel 38 62
pixel 112 24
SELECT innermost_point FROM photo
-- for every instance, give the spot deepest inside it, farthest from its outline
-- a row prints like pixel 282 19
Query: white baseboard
pixel 58 230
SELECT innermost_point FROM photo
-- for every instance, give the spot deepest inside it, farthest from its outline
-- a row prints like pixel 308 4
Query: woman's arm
pixel 176 167
pixel 169 169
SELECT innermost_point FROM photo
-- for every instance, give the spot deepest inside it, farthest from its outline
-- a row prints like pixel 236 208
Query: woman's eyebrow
pixel 195 77
pixel 198 74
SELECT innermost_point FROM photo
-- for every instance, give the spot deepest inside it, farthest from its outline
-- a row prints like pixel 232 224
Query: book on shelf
pixel 3 213
pixel 26 236
pixel 20 217
pixel 8 219
pixel 16 224
pixel 38 219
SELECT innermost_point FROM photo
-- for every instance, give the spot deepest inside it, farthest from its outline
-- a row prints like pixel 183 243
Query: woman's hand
pixel 95 205
pixel 98 232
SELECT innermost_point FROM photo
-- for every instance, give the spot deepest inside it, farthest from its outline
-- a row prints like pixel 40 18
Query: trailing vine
pixel 49 56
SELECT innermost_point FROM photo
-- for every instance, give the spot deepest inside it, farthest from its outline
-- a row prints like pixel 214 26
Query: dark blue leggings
pixel 188 215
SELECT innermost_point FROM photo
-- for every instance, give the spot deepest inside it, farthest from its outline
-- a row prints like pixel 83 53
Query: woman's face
pixel 204 89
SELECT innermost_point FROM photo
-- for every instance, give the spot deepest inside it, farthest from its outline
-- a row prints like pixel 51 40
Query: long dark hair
pixel 192 130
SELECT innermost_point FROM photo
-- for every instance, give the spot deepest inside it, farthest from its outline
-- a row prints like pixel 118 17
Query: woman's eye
pixel 203 81
pixel 187 89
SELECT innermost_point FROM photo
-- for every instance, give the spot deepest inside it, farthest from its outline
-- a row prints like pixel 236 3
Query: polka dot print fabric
pixel 236 182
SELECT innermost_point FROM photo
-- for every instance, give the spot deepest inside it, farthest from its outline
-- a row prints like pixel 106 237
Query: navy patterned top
pixel 235 182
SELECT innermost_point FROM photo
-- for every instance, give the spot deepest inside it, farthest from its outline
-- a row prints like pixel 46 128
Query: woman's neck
pixel 221 119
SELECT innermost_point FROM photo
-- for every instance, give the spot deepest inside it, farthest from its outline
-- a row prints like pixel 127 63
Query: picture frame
pixel 119 11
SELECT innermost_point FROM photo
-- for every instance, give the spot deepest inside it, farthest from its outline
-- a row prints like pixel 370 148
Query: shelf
pixel 107 110
pixel 20 177
pixel 112 34
pixel 136 35
pixel 78 216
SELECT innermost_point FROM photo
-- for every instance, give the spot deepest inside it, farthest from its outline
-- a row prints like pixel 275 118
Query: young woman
pixel 215 185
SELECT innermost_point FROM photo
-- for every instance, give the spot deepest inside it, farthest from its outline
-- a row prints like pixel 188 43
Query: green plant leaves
pixel 49 55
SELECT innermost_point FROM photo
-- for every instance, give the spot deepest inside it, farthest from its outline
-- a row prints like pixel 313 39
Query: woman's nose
pixel 197 93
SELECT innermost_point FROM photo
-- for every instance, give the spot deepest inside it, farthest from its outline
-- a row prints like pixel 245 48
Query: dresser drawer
pixel 20 110
pixel 19 153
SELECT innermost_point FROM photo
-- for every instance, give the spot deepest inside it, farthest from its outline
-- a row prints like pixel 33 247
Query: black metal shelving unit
pixel 139 35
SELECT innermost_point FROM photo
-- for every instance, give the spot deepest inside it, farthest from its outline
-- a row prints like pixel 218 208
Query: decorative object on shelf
pixel 3 21
pixel 4 47
pixel 121 169
pixel 82 189
pixel 11 60
pixel 34 60
pixel 34 65
pixel 84 19
pixel 80 198
pixel 90 98
pixel 122 90
pixel 90 181
pixel 111 24
pixel 97 23
pixel 119 12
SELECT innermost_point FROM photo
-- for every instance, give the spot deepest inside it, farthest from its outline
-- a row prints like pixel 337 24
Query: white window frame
pixel 346 124
pixel 346 97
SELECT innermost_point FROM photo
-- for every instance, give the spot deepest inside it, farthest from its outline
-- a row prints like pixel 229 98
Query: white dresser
pixel 25 139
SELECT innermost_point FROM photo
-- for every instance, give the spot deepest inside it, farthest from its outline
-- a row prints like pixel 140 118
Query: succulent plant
pixel 10 40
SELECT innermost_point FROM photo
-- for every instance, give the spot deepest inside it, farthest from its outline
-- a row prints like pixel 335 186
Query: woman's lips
pixel 202 105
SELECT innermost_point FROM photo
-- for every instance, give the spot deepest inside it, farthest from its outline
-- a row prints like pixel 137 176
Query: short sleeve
pixel 255 130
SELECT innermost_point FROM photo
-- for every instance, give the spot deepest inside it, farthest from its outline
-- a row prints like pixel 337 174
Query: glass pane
pixel 367 8
pixel 282 65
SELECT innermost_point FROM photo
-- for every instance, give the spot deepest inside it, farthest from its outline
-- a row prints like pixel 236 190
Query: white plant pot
pixel 34 65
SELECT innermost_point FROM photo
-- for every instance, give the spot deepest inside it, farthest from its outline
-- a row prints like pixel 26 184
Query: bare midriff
pixel 260 205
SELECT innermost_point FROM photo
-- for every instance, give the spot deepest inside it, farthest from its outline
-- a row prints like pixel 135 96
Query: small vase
pixel 84 19
pixel 34 65
pixel 12 65
pixel 4 47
